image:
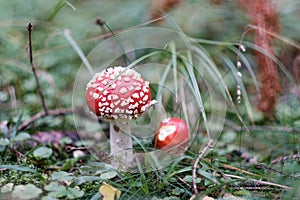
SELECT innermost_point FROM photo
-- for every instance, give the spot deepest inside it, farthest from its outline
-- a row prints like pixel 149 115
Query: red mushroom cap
pixel 172 132
pixel 118 93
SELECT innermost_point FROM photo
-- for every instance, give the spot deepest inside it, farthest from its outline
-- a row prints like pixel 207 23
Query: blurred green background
pixel 57 62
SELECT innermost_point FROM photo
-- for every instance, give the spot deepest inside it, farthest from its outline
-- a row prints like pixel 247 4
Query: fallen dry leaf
pixel 108 192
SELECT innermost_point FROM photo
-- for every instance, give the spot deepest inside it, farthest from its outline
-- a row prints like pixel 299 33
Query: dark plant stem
pixel 29 29
pixel 101 23
pixel 115 44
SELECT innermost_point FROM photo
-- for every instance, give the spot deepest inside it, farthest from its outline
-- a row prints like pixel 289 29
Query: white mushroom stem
pixel 121 144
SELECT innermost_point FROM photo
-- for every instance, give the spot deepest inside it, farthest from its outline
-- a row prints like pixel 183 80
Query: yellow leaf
pixel 108 192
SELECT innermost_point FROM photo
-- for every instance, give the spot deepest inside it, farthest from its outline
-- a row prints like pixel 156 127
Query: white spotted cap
pixel 118 93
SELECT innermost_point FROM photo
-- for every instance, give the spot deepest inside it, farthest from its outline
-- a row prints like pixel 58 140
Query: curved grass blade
pixel 174 64
pixel 161 83
pixel 188 62
pixel 273 58
pixel 68 36
pixel 59 5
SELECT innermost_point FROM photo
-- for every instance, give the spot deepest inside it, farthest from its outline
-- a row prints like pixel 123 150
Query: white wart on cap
pixel 118 93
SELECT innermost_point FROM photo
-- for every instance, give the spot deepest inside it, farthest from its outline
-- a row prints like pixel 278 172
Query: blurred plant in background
pixel 260 138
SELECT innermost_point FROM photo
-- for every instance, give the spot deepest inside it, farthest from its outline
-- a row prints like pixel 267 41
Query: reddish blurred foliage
pixel 296 68
pixel 262 14
pixel 216 2
pixel 160 7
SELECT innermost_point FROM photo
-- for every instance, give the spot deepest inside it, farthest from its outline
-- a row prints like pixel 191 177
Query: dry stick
pixel 200 155
pixel 184 182
pixel 29 29
pixel 42 114
pixel 258 181
pixel 285 158
pixel 12 94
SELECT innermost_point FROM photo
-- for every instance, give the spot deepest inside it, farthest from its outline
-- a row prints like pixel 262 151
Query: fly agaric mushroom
pixel 119 95
pixel 172 132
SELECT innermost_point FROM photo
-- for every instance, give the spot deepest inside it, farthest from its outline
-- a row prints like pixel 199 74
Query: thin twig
pixel 225 166
pixel 184 182
pixel 12 94
pixel 42 114
pixel 29 29
pixel 258 181
pixel 285 158
pixel 200 155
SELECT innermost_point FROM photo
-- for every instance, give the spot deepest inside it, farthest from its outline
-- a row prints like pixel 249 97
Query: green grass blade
pixel 161 83
pixel 272 57
pixel 190 68
pixel 59 5
pixel 174 64
pixel 68 36
pixel 15 129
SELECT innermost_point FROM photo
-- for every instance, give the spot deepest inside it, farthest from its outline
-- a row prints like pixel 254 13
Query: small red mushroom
pixel 113 94
pixel 172 132
pixel 119 95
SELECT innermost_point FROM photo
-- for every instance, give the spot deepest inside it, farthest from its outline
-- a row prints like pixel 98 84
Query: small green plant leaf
pixel 57 194
pixel 189 179
pixel 208 176
pixel 65 140
pixel 4 142
pixel 42 152
pixel 49 198
pixel 61 176
pixel 177 191
pixel 21 137
pixel 73 193
pixel 28 191
pixel 54 186
pixel 83 179
pixel 68 164
pixel 108 175
pixel 7 188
